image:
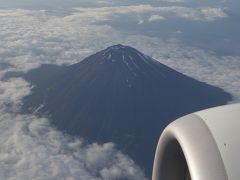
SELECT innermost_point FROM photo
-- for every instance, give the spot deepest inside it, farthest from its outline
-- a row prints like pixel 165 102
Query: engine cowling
pixel 201 146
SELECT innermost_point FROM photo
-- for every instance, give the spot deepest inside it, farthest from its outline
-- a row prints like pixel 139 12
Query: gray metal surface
pixel 224 124
pixel 195 152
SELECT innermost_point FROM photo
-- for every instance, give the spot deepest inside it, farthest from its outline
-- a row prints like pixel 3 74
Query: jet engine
pixel 201 146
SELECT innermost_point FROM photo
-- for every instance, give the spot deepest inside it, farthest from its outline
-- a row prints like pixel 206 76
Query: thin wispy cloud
pixel 106 13
pixel 174 1
pixel 156 17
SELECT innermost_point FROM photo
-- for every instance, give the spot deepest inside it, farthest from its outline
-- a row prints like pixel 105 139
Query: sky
pixel 200 39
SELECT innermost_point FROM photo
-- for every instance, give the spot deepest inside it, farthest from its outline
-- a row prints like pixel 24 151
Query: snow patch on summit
pixel 134 64
pixel 143 58
pixel 127 63
pixel 109 56
pixel 130 57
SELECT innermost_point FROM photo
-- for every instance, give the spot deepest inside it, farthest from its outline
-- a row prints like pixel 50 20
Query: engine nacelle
pixel 201 146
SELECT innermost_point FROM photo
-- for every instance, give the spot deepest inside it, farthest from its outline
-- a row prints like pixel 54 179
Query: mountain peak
pixel 117 46
pixel 121 47
pixel 118 95
pixel 117 49
pixel 125 54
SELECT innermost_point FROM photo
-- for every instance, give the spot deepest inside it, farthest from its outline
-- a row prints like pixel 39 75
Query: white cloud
pixel 220 71
pixel 105 13
pixel 102 2
pixel 212 13
pixel 174 1
pixel 11 93
pixel 38 38
pixel 32 149
pixel 156 18
pixel 140 20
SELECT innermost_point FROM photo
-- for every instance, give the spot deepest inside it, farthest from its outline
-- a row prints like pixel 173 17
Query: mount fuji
pixel 118 95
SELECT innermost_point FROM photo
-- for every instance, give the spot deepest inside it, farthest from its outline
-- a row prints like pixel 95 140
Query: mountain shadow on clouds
pixel 118 95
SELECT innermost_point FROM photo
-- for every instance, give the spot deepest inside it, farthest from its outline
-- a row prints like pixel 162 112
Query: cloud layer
pixel 31 38
pixel 106 13
pixel 30 147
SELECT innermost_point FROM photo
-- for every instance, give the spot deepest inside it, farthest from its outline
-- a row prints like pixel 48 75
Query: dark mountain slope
pixel 118 95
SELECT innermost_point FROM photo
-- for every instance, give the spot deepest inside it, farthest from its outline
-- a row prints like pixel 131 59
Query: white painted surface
pixel 210 141
pixel 199 148
pixel 224 124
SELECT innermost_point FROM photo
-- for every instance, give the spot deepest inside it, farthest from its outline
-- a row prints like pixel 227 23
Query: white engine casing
pixel 201 146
